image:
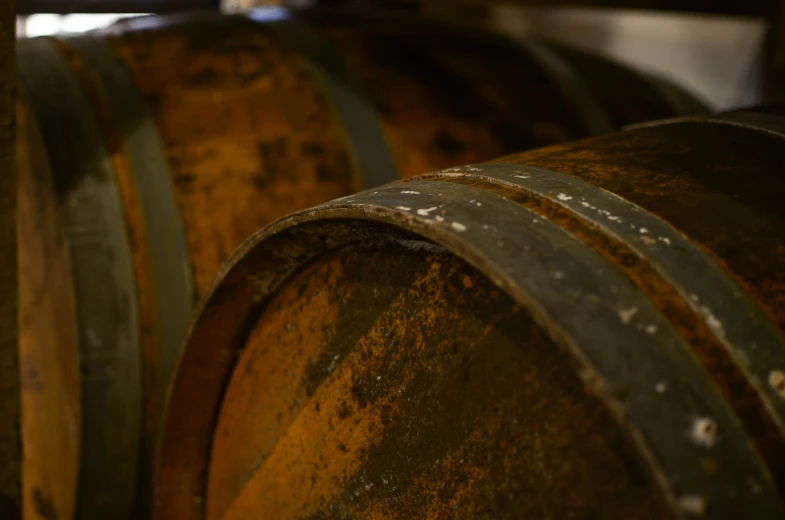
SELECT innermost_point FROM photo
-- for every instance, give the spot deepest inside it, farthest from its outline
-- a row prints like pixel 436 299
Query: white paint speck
pixel 439 218
pixel 665 240
pixel 378 378
pixel 777 381
pixel 522 176
pixel 411 192
pixel 744 359
pixel 712 321
pixel 693 505
pixel 424 211
pixel 563 196
pixel 457 226
pixel 403 208
pixel 643 230
pixel 661 387
pixel 535 220
pixel 585 204
pixel 694 297
pixel 614 218
pixel 704 431
pixel 626 315
pixel 651 329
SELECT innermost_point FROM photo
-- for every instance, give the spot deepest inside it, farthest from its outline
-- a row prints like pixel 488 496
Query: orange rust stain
pixel 336 434
pixel 423 132
pixel 267 377
pixel 248 135
pixel 692 327
pixel 444 407
pixel 48 342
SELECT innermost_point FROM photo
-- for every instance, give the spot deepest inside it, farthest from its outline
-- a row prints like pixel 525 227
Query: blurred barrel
pixel 48 367
pixel 589 330
pixel 171 140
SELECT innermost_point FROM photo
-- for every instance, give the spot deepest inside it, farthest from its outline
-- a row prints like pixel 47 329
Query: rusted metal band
pixel 171 269
pixel 104 281
pixel 732 316
pixel 594 117
pixel 358 118
pixel 627 350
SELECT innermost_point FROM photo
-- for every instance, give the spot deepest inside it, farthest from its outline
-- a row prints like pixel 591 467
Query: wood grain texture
pixel 10 398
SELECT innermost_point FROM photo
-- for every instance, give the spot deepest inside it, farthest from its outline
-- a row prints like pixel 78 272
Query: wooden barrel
pixel 48 350
pixel 589 330
pixel 171 140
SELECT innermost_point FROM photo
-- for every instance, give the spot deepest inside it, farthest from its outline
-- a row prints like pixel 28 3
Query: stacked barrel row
pixel 149 151
pixel 589 330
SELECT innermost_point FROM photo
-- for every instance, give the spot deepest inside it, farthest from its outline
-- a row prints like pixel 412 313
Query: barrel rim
pixel 359 210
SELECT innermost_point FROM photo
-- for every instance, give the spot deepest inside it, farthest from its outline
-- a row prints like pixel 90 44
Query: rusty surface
pixel 10 397
pixel 284 362
pixel 247 132
pixel 48 346
pixel 732 380
pixel 720 185
pixel 250 135
pixel 394 381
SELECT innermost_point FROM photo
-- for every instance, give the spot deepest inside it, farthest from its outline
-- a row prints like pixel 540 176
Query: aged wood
pixel 10 396
pixel 592 329
pixel 48 345
pixel 172 140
